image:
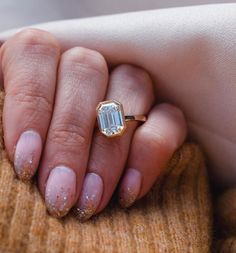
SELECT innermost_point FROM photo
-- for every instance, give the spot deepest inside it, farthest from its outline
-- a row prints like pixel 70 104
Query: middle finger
pixel 82 81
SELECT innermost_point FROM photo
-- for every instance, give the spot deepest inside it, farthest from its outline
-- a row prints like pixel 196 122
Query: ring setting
pixel 111 119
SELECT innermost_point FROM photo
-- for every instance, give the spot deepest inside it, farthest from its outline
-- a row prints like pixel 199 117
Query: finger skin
pixel 82 83
pixel 1 74
pixel 152 147
pixel 132 87
pixel 29 63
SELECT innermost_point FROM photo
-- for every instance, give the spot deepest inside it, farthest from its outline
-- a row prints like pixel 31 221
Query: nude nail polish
pixel 27 154
pixel 60 191
pixel 130 187
pixel 90 197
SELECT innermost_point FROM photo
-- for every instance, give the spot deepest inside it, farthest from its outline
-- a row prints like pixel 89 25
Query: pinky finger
pixel 152 146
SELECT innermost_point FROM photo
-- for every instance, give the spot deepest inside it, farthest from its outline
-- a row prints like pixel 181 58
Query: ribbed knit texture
pixel 226 222
pixel 176 216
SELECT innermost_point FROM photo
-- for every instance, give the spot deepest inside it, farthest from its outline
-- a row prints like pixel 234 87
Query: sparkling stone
pixel 111 120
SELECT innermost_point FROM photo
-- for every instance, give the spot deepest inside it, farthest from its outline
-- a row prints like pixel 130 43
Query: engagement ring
pixel 112 120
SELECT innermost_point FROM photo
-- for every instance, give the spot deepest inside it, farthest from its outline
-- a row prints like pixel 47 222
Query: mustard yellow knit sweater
pixel 176 216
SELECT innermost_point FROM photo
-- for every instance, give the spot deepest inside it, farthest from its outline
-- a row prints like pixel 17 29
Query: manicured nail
pixel 90 197
pixel 27 154
pixel 60 191
pixel 130 187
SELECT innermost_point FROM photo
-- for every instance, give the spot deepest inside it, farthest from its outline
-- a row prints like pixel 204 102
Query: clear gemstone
pixel 110 118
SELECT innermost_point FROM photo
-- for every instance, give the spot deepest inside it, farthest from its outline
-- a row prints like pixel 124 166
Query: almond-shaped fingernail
pixel 60 191
pixel 90 196
pixel 130 187
pixel 27 154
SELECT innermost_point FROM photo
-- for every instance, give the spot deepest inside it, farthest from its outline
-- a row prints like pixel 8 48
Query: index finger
pixel 29 64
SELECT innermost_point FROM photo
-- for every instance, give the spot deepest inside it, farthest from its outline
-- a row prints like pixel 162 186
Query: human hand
pixel 49 125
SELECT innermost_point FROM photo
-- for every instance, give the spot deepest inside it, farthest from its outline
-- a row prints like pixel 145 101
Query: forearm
pixel 190 54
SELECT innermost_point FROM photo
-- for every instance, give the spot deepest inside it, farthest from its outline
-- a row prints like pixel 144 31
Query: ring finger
pixel 132 87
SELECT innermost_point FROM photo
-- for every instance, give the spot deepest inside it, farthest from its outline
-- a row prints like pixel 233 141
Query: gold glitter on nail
pixel 86 211
pixel 127 198
pixel 25 172
pixel 83 214
pixel 55 212
pixel 59 208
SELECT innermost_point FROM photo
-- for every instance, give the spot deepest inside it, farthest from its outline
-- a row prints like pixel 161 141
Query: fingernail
pixel 90 196
pixel 130 187
pixel 60 191
pixel 27 154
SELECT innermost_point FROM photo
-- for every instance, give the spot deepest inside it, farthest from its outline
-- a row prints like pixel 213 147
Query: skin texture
pixel 53 97
pixel 190 54
pixel 29 63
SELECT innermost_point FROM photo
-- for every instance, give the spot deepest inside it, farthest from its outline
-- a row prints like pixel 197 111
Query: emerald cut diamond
pixel 111 119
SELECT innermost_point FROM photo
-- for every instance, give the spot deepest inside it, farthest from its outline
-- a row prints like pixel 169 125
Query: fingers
pixel 29 64
pixel 82 82
pixel 132 87
pixel 152 146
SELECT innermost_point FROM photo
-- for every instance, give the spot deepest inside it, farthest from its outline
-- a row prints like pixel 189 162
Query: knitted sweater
pixel 176 216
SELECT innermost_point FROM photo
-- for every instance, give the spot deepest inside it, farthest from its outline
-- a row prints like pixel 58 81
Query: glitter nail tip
pixel 27 154
pixel 90 196
pixel 130 187
pixel 60 191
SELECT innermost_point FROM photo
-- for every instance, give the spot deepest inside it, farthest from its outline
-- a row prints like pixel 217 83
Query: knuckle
pixel 165 143
pixel 35 101
pixel 88 60
pixel 33 36
pixel 175 116
pixel 173 110
pixel 133 74
pixel 162 137
pixel 70 135
pixel 38 42
pixel 160 142
pixel 137 81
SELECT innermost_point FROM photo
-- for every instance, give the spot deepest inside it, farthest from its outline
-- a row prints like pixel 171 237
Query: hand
pixel 191 62
pixel 49 125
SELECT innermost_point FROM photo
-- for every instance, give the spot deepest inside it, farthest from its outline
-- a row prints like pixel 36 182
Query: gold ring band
pixel 111 119
pixel 141 118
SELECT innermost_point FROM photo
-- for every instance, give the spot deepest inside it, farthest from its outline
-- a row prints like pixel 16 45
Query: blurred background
pixel 17 13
